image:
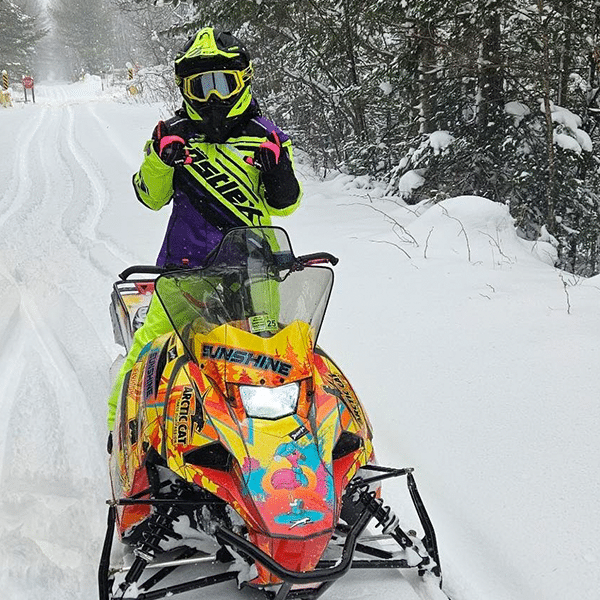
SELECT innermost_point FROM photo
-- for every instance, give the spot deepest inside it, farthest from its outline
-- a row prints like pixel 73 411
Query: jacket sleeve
pixel 282 190
pixel 153 183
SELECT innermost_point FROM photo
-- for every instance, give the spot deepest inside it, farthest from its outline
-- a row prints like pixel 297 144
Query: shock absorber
pixel 427 550
pixel 158 528
pixel 383 514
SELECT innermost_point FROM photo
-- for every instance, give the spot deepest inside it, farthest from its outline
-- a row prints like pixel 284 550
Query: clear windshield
pixel 253 283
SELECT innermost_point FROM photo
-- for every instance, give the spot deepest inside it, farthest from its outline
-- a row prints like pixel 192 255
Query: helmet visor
pixel 222 84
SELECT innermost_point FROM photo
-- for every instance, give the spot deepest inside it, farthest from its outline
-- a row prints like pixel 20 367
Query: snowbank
pixel 475 229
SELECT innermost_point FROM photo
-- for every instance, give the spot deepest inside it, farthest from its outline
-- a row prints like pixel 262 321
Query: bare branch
pixel 462 230
pixel 392 244
pixel 565 286
pixel 396 224
pixel 427 243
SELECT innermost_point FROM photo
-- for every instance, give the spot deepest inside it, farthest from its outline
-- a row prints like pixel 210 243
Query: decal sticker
pixel 298 433
pixel 244 357
pixel 298 516
pixel 182 415
pixel 260 323
pixel 197 418
pixel 342 391
pixel 149 379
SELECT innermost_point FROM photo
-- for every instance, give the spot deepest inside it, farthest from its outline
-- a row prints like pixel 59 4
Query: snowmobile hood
pixel 282 474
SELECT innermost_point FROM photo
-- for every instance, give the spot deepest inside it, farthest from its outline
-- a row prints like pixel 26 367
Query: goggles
pixel 222 84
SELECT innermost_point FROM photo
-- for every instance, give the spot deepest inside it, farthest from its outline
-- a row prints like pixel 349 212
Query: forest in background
pixel 497 98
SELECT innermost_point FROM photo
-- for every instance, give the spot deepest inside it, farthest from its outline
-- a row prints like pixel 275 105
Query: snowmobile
pixel 240 450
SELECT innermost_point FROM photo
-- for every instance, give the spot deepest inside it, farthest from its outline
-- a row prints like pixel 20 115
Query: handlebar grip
pixel 318 258
pixel 142 270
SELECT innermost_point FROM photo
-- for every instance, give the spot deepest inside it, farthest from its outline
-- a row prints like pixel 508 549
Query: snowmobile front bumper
pixel 313 583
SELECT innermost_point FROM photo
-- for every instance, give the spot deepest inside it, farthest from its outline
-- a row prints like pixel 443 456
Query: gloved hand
pixel 170 148
pixel 268 155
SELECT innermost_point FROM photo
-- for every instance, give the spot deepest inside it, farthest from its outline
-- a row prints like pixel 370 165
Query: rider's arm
pixel 281 188
pixel 153 183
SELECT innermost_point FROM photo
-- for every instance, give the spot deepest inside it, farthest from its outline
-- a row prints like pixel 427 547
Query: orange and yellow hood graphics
pixel 140 425
pixel 229 354
pixel 339 410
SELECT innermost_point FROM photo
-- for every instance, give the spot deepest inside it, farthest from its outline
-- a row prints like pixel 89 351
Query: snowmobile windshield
pixel 253 283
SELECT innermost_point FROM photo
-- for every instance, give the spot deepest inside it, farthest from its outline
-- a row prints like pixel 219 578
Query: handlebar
pixel 307 260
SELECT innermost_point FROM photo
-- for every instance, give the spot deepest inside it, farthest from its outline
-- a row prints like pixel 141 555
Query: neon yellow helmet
pixel 213 72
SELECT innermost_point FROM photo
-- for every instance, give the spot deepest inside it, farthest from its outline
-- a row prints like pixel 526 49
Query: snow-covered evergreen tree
pixel 86 31
pixel 21 30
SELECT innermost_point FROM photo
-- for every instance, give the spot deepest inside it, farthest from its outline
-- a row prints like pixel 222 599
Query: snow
pixel 410 181
pixel 517 110
pixel 570 136
pixel 565 117
pixel 566 142
pixel 476 359
pixel 584 140
pixel 386 87
pixel 440 140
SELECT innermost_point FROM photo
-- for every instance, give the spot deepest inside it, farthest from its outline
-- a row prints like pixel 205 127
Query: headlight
pixel 270 403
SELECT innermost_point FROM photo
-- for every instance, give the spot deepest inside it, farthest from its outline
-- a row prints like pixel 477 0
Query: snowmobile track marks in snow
pixel 19 186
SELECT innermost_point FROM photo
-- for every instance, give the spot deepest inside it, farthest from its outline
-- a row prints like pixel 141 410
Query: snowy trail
pixel 12 362
pixel 52 455
pixel 472 369
pixel 27 335
pixel 106 131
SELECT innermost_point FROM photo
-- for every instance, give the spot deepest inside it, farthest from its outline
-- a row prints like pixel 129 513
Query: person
pixel 217 160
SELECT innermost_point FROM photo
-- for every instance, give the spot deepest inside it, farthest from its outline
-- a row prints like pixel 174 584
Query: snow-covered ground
pixel 476 359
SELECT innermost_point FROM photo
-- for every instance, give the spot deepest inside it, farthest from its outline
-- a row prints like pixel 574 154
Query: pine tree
pixel 20 33
pixel 85 28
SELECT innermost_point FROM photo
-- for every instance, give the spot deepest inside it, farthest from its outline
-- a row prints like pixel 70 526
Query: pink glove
pixel 267 155
pixel 170 148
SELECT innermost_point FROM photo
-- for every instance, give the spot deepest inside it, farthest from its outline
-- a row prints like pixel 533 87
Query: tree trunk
pixel 491 93
pixel 427 76
pixel 565 55
pixel 550 185
pixel 360 124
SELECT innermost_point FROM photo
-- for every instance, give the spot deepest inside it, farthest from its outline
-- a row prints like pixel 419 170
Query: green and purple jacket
pixel 217 190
